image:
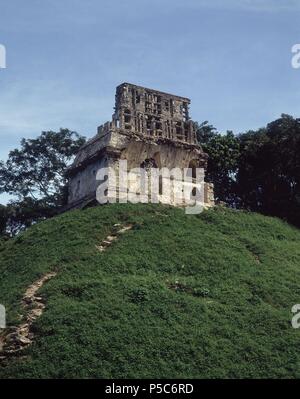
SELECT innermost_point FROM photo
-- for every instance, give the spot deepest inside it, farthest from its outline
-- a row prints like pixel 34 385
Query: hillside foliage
pixel 187 296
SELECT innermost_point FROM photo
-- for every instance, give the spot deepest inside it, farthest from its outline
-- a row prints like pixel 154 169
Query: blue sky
pixel 65 58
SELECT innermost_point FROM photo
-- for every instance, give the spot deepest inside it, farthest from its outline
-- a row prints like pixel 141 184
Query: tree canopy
pixel 257 170
pixel 35 175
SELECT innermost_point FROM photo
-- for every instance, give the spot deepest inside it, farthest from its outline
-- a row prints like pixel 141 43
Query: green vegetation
pixel 187 296
pixel 35 175
pixel 256 170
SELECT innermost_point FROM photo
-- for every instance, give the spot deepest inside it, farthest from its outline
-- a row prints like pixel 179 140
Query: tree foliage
pixel 268 176
pixel 35 175
pixel 223 151
pixel 257 170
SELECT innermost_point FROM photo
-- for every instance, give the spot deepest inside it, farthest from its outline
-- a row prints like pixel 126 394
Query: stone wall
pixel 148 127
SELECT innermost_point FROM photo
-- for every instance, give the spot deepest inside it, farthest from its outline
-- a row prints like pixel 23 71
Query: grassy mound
pixel 186 296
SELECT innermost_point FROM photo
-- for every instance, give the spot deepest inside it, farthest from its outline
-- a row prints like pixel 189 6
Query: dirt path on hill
pixel 15 339
pixel 113 237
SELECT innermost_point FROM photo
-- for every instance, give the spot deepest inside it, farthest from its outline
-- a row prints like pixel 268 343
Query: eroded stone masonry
pixel 148 128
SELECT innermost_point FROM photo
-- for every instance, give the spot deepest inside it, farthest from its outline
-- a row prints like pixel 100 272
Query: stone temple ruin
pixel 148 128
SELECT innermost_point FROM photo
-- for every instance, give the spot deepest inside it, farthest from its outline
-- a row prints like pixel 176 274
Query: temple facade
pixel 149 129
